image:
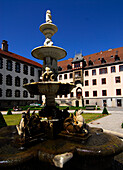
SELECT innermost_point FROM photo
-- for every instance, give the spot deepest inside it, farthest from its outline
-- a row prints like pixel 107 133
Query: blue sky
pixel 83 25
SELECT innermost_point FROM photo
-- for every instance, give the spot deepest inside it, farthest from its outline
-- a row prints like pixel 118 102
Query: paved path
pixel 111 122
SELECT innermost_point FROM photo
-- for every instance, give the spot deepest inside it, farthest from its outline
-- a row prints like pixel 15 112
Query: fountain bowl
pixel 42 52
pixel 49 87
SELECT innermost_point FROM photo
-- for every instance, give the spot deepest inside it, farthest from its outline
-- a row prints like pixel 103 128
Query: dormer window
pixel 69 66
pixel 90 63
pixel 103 60
pixel 59 68
pixel 117 57
pixel 76 65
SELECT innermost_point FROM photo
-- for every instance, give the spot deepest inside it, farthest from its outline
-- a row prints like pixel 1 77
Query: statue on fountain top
pixel 48 16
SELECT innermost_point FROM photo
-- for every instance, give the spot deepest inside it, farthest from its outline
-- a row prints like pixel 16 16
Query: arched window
pixel 1 63
pixel 9 80
pixel 31 80
pixel 17 93
pixel 8 93
pixel 1 79
pixel 78 92
pixel 9 65
pixel 25 81
pixel 0 92
pixel 25 94
pixel 17 81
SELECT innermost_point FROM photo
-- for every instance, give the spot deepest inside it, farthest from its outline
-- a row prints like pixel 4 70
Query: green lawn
pixel 15 118
pixel 12 119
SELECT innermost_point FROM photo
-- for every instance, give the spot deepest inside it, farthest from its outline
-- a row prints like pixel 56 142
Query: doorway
pixel 119 103
pixel 77 103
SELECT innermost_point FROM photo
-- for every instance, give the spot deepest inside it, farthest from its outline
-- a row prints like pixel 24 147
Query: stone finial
pixel 48 17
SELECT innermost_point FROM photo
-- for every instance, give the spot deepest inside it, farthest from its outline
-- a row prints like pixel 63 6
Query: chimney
pixel 4 45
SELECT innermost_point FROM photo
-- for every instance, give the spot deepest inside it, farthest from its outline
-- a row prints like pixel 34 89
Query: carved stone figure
pixel 48 16
pixel 48 75
pixel 48 42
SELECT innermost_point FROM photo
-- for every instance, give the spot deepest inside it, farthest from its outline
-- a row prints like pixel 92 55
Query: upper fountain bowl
pixel 48 51
pixel 48 28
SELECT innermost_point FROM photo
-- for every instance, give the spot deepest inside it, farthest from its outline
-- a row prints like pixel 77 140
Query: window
pixel 31 80
pixel 32 95
pixel 87 101
pixel 25 94
pixel 86 93
pixel 9 80
pixel 39 74
pixel 76 65
pixel 17 81
pixel 102 70
pixel 121 68
pixel 104 92
pixel 113 69
pixel 17 93
pixel 86 73
pixel 1 63
pixel 86 82
pixel 90 63
pixel 65 76
pixel 78 92
pixel 59 68
pixel 25 81
pixel 93 72
pixel 71 94
pixel 118 91
pixel 1 79
pixel 60 77
pixel 9 65
pixel 103 60
pixel 71 75
pixel 94 93
pixel 8 93
pixel 103 80
pixel 17 67
pixel 25 69
pixel 32 71
pixel 0 92
pixel 65 95
pixel 77 74
pixel 117 57
pixel 117 79
pixel 94 82
pixel 69 66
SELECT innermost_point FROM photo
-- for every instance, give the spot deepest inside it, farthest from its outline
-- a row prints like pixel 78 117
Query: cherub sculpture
pixel 47 75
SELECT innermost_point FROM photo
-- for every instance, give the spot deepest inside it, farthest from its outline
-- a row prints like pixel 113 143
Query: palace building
pixel 15 71
pixel 98 78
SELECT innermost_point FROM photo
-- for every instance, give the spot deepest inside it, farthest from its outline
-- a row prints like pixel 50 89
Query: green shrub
pixel 105 111
pixel 2 121
pixel 9 112
pixel 122 125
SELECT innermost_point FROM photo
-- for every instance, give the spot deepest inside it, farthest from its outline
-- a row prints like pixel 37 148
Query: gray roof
pixel 78 58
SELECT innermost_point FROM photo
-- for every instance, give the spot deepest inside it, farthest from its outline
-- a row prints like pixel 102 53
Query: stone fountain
pixel 55 138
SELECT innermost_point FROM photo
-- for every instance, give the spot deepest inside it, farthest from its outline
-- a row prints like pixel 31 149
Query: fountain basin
pixel 95 153
pixel 49 87
pixel 42 52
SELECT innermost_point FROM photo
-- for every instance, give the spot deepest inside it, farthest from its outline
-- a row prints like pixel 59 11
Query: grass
pixel 92 116
pixel 12 119
pixel 15 118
